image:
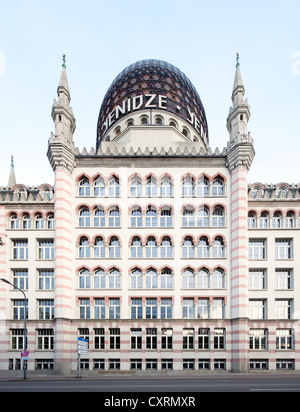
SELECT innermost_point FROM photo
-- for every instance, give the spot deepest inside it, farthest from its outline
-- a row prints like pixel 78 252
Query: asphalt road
pixel 166 386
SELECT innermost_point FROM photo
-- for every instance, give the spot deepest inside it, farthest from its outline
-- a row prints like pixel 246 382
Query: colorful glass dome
pixel 152 84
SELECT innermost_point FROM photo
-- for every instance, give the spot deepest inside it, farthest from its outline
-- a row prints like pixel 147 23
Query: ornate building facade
pixel 152 246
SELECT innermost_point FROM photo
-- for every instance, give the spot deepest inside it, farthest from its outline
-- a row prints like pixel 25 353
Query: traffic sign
pixel 82 346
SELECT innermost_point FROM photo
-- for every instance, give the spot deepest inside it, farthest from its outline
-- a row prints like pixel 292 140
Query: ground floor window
pixel 285 364
pixel 44 364
pixel 259 364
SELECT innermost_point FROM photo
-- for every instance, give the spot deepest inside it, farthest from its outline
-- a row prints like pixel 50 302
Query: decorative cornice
pixel 130 151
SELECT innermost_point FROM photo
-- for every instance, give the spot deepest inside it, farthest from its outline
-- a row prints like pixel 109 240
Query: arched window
pixel 166 187
pixel 136 217
pixel 203 187
pixel 151 247
pixel 84 217
pixel 114 248
pixel 26 221
pixel 136 188
pixel 188 279
pixel 290 220
pixel 151 187
pixel 84 187
pixel 99 217
pixel 218 279
pixel 218 249
pixel 99 187
pixel 114 187
pixel 50 222
pixel 84 279
pixel 166 217
pixel 151 217
pixel 39 221
pixel 99 248
pixel 277 220
pixel 114 279
pixel 218 217
pixel 203 247
pixel 255 191
pixel 203 217
pixel 188 217
pixel 136 279
pixel 264 220
pixel 281 192
pixel 251 220
pixel 144 120
pixel 188 187
pixel 166 248
pixel 188 248
pixel 218 187
pixel 203 279
pixel 136 248
pixel 151 279
pixel 84 248
pixel 99 279
pixel 159 120
pixel 166 279
pixel 114 217
pixel 14 221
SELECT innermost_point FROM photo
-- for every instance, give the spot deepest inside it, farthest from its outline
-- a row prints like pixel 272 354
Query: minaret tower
pixel 240 154
pixel 61 154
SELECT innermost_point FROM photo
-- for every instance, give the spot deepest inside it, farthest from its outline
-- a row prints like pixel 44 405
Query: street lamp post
pixel 25 332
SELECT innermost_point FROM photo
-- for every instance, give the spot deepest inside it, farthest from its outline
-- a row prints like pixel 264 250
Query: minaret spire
pixel 12 177
pixel 65 124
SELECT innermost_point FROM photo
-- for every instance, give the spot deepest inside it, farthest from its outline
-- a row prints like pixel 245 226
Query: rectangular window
pixel 136 338
pixel 20 279
pixel 283 249
pixel 46 279
pixel 114 308
pixel 188 339
pixel 114 338
pixel 136 308
pixel 17 339
pixel 219 339
pixel 283 279
pixel 167 339
pixel 46 249
pixel 283 308
pixel 99 308
pixel 166 308
pixel 85 309
pixel 99 338
pixel 284 339
pixel 257 279
pixel 20 249
pixel 19 309
pixel 258 339
pixel 203 339
pixel 151 338
pixel 257 309
pixel 151 308
pixel 45 339
pixel 46 309
pixel 188 308
pixel 257 249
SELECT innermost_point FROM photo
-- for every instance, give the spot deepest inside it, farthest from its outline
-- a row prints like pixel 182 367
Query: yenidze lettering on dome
pixel 147 101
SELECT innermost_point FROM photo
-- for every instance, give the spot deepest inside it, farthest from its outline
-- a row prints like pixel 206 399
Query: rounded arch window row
pixel 31 220
pixel 152 247
pixel 151 216
pixel 155 120
pixel 151 185
pixel 152 278
pixel 273 219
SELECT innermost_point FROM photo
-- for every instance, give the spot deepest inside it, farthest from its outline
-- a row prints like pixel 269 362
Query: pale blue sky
pixel 101 38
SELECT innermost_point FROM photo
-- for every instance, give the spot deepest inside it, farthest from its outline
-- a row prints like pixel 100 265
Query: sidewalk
pixel 36 376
